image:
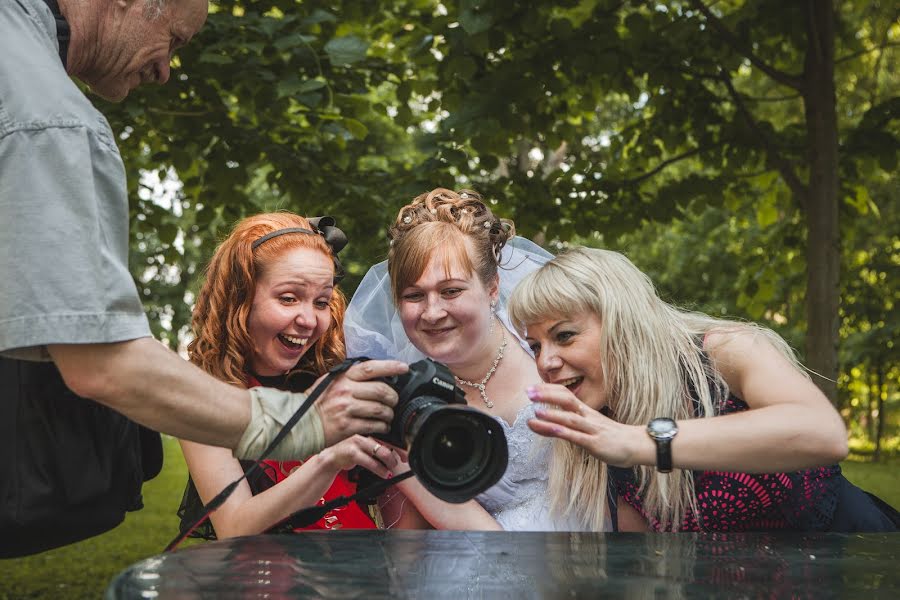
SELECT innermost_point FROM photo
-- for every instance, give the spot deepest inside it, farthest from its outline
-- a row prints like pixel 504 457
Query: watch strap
pixel 663 455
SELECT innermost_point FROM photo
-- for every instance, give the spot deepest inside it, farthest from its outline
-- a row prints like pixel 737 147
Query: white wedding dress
pixel 373 328
pixel 520 500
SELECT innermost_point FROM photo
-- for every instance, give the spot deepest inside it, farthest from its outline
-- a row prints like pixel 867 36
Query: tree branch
pixel 784 167
pixel 862 52
pixel 661 166
pixel 716 77
pixel 178 113
pixel 772 98
pixel 792 81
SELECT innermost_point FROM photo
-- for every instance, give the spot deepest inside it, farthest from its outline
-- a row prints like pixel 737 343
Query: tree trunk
pixel 867 419
pixel 823 233
pixel 879 430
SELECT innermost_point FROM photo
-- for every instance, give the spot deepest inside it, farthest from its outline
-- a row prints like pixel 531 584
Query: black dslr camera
pixel 456 451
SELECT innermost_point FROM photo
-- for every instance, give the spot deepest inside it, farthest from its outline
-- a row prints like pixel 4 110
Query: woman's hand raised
pixel 568 418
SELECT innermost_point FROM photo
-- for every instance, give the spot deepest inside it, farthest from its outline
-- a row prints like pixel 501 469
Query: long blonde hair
pixel 653 365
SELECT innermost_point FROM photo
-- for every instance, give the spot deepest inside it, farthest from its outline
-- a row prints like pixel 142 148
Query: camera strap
pixel 63 33
pixel 308 516
pixel 295 418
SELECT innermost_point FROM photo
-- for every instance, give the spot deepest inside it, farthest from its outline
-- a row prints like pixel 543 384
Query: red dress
pixel 351 516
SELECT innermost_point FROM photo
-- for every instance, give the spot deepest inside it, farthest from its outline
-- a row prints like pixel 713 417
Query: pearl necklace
pixel 481 385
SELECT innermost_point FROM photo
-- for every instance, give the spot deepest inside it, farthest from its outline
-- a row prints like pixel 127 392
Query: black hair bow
pixel 334 237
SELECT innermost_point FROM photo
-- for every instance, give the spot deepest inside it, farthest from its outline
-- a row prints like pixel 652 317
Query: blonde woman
pixel 694 423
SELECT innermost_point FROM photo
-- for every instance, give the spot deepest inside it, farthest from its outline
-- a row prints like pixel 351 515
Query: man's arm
pixel 152 385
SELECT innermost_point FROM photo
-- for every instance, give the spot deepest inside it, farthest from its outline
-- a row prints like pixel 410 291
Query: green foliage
pixel 637 125
pixel 275 105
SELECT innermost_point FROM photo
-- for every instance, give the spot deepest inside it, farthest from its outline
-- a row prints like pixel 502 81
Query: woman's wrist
pixel 643 449
pixel 325 462
pixel 407 485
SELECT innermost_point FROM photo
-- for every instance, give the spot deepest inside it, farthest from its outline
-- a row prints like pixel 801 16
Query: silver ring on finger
pixel 376 449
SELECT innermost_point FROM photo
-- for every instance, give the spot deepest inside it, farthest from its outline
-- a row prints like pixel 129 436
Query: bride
pixel 441 294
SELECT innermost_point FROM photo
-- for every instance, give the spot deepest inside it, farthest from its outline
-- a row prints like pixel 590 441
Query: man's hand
pixel 354 404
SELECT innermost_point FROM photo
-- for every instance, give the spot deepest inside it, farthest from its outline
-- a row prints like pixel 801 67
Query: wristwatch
pixel 662 431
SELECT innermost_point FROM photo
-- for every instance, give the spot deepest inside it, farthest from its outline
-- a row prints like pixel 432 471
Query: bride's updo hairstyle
pixel 459 224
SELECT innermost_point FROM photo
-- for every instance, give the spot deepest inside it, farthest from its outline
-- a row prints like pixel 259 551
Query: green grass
pixel 85 569
pixel 881 479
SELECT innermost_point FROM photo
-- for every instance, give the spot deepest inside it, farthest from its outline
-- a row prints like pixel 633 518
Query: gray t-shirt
pixel 63 202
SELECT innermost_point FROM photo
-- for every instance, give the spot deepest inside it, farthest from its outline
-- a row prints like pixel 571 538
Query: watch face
pixel 662 429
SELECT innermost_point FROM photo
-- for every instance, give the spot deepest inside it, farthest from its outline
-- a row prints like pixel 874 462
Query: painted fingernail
pixel 540 412
pixel 532 392
pixel 390 475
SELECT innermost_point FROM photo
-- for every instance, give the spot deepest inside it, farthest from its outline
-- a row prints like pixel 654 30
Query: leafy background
pixel 742 153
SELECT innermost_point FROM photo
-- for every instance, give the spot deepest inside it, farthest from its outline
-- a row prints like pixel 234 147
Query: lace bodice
pixel 520 500
pixel 803 500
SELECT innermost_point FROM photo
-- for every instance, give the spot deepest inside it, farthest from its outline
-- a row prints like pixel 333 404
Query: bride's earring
pixel 493 316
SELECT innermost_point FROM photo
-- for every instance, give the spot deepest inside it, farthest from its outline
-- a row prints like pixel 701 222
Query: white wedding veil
pixel 372 326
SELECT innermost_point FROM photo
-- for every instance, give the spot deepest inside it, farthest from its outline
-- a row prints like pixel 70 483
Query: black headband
pixel 278 232
pixel 324 226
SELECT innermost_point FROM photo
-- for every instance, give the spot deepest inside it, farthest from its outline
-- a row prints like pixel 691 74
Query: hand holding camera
pixel 358 401
pixel 365 452
pixel 456 451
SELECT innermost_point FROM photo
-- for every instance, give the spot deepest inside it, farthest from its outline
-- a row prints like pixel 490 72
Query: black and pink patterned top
pixel 801 501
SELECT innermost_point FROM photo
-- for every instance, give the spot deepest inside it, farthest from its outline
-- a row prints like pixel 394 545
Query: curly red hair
pixel 222 344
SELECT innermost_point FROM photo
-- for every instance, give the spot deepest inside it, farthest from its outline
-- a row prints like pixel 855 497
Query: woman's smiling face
pixel 290 310
pixel 566 349
pixel 446 312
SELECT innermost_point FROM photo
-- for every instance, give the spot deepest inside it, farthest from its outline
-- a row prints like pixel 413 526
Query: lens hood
pixel 458 452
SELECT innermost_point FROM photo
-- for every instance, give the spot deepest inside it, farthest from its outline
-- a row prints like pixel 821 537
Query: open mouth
pixel 572 383
pixel 292 342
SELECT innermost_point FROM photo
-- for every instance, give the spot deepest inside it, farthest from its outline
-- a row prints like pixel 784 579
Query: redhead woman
pixel 441 294
pixel 270 313
pixel 692 423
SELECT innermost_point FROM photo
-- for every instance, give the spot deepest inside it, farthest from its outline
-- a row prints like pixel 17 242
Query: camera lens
pixel 457 452
pixel 453 448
